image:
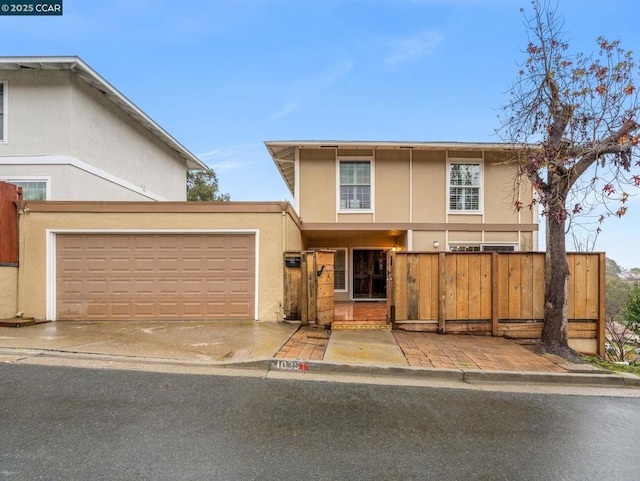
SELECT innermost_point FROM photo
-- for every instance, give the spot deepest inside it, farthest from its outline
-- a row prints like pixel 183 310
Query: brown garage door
pixel 155 276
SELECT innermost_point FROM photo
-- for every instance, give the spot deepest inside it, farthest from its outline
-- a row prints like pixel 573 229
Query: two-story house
pixel 363 199
pixel 68 134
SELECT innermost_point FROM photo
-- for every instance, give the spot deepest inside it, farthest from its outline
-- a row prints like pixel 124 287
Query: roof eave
pixel 94 79
pixel 277 147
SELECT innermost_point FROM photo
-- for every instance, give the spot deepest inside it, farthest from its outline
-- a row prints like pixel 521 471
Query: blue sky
pixel 223 76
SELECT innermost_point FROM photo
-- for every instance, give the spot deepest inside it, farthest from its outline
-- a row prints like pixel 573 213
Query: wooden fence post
pixel 304 289
pixel 602 314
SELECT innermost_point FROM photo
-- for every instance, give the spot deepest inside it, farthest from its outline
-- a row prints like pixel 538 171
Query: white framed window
pixel 498 247
pixel 482 247
pixel 464 248
pixel 355 185
pixel 340 270
pixel 465 179
pixel 33 188
pixel 3 111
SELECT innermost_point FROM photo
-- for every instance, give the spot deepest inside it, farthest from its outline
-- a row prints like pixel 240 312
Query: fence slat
pixel 462 287
pixel 475 287
pixel 428 302
pixel 515 280
pixel 593 287
pixel 503 287
pixel 571 294
pixel 538 286
pixel 413 287
pixel 400 286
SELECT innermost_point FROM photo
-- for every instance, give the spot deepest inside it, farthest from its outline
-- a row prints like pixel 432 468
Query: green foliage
pixel 616 294
pixel 620 334
pixel 612 267
pixel 631 309
pixel 203 186
pixel 611 366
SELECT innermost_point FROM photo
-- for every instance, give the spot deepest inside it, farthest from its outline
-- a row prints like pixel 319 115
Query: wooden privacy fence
pixel 492 293
pixel 9 194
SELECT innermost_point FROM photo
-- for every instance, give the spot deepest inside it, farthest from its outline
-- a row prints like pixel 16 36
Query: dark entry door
pixel 369 274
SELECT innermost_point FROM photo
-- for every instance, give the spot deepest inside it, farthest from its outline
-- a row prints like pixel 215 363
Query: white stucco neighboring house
pixel 68 134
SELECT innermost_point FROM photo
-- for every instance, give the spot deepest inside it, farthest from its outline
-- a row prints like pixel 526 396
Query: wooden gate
pixel 309 289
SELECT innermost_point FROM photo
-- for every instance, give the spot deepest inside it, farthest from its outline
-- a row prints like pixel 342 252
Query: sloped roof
pixel 86 73
pixel 283 152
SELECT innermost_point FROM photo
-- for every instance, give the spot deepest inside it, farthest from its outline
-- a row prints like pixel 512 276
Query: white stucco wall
pixel 68 181
pixel 54 113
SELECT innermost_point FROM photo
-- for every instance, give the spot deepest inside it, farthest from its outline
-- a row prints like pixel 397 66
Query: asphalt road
pixel 82 424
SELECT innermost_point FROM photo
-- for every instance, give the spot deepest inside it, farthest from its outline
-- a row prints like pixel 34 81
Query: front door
pixel 369 274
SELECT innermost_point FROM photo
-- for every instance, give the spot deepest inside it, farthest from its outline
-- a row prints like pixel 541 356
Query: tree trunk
pixel 554 332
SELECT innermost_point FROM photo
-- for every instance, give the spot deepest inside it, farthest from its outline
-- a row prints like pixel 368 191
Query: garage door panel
pixel 240 286
pixel 99 310
pixel 120 264
pixel 169 265
pixel 71 308
pixel 96 264
pixel 95 287
pixel 155 276
pixel 171 309
pixel 143 287
pixel 169 287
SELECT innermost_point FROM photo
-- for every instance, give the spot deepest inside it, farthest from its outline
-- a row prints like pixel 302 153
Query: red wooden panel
pixel 9 223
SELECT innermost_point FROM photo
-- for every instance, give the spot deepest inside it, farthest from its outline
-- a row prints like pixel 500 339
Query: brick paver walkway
pixel 470 352
pixel 301 346
pixel 423 349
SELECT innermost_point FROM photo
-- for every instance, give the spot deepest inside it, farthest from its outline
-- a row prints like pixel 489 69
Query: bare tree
pixel 619 333
pixel 574 122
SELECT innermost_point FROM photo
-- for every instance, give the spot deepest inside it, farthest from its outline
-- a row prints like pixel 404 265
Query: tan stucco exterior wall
pixel 392 175
pixel 276 234
pixel 318 185
pixel 429 195
pixel 76 123
pixel 410 187
pixel 8 291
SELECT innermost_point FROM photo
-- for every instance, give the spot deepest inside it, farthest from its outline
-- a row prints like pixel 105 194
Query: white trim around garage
pixel 51 293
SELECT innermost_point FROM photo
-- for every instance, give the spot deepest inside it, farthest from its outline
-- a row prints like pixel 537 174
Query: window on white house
pixel 355 185
pixel 31 189
pixel 3 109
pixel 464 187
pixel 340 270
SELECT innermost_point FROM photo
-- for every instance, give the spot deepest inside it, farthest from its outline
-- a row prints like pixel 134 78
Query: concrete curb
pixel 468 376
pixel 602 378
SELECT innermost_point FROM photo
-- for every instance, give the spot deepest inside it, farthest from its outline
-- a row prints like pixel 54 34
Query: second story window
pixel 464 187
pixel 3 109
pixel 32 189
pixel 355 185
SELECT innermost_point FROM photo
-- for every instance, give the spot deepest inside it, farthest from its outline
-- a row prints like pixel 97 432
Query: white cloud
pixel 412 48
pixel 230 158
pixel 313 87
